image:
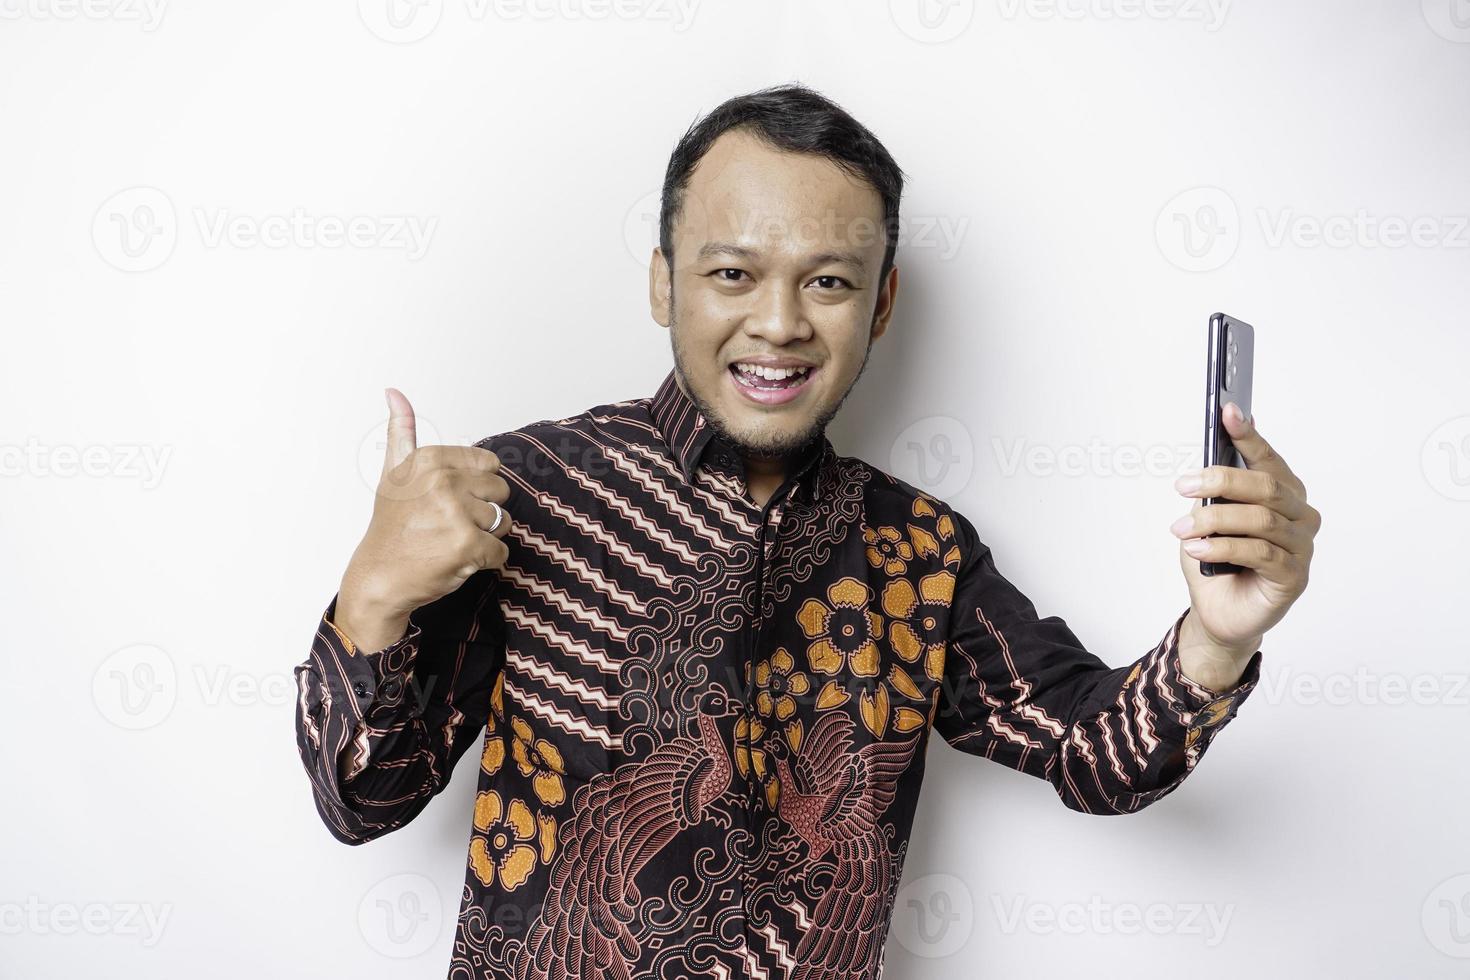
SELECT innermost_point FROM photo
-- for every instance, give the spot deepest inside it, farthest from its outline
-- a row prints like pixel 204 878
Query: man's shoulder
pixel 885 488
pixel 619 420
pixel 892 501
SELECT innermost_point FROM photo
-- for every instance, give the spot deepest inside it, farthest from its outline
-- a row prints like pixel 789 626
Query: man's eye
pixel 729 275
pixel 832 281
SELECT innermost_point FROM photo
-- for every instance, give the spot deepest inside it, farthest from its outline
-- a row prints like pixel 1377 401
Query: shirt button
pixel 360 689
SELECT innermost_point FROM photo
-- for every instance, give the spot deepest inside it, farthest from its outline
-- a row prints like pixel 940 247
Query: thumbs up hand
pixel 437 520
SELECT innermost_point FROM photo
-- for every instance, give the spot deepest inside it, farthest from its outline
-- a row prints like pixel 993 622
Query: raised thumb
pixel 402 439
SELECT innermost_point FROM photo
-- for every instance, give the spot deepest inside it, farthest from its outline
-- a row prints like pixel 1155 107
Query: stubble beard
pixel 760 443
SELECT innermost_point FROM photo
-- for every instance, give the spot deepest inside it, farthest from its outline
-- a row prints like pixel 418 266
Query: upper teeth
pixel 770 373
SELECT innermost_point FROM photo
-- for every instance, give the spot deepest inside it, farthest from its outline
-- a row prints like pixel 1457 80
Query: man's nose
pixel 778 317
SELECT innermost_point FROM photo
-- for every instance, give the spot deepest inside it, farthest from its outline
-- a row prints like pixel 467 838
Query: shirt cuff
pixel 1169 720
pixel 359 678
pixel 1196 708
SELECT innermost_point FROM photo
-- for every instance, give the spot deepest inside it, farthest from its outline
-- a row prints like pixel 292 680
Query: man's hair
pixel 797 119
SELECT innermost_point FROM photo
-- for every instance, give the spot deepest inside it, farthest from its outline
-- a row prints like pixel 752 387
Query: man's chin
pixel 753 432
pixel 758 442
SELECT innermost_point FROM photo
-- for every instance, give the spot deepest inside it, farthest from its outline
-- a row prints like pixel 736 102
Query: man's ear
pixel 887 298
pixel 659 285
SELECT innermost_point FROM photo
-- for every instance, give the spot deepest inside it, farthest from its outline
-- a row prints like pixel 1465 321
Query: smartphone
pixel 1229 367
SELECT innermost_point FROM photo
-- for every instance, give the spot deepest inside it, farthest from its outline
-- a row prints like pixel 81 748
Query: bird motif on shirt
pixel 833 799
pixel 621 821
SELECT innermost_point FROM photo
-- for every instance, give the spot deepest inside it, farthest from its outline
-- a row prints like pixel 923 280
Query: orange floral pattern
pixel 539 759
pixel 778 685
pixel 509 841
pixel 917 618
pixel 844 630
pixel 886 549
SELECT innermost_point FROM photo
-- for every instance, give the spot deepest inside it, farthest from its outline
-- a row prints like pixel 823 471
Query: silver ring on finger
pixel 499 516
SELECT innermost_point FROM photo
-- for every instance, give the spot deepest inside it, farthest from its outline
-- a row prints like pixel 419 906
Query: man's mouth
pixel 754 376
pixel 770 385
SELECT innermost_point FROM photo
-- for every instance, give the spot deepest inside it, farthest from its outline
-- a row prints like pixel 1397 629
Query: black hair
pixel 797 119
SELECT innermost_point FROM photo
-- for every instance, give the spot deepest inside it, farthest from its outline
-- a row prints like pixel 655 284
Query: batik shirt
pixel 702 721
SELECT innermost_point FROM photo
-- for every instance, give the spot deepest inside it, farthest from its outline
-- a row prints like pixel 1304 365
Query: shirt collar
pixel 694 442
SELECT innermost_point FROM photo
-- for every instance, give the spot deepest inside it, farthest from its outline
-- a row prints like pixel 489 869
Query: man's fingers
pixel 476 459
pixel 1243 520
pixel 1281 494
pixel 492 552
pixel 1274 563
pixel 486 486
pixel 401 436
pixel 1256 451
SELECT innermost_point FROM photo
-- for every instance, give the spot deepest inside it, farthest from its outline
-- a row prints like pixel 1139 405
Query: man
pixel 707 651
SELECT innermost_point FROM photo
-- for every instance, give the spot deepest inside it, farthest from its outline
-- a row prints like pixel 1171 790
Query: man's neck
pixel 764 476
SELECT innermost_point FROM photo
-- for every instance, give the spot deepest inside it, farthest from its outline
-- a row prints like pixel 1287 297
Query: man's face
pixel 776 261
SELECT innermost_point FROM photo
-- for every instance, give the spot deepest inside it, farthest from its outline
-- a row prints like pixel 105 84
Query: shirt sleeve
pixel 380 732
pixel 1023 691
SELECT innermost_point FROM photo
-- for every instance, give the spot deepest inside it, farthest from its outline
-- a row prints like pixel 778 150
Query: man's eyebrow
pixel 839 256
pixel 710 249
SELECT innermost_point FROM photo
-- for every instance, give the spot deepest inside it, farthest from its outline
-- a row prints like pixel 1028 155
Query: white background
pixel 226 398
